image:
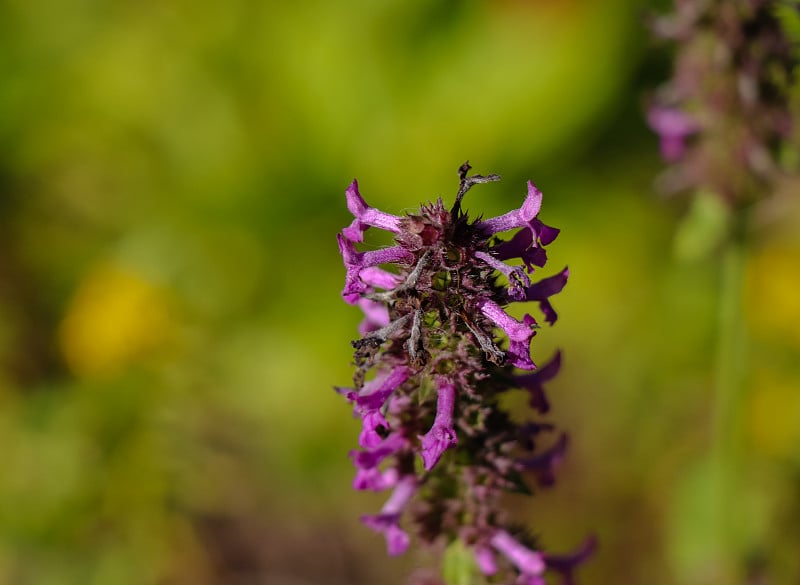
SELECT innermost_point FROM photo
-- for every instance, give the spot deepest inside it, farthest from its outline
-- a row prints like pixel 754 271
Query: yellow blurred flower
pixel 115 318
pixel 771 301
pixel 774 414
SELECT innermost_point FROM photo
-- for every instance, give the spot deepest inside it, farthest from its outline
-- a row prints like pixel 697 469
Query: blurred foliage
pixel 171 180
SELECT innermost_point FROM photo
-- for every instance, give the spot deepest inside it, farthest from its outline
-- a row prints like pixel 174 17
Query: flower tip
pixel 346 248
pixel 438 440
pixel 354 232
pixel 355 203
pixel 533 203
pixel 397 541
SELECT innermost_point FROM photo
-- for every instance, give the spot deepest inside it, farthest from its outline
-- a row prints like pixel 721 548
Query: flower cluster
pixel 724 115
pixel 430 371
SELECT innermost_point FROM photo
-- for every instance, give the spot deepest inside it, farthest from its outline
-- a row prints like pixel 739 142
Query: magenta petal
pixel 376 315
pixel 366 216
pixel 516 218
pixel 375 479
pixel 369 436
pixel 544 464
pixel 380 278
pixel 375 393
pixel 517 279
pixel 388 521
pixel 544 234
pixel 519 333
pixel 565 564
pixel 442 435
pixel 519 349
pixel 355 262
pixel 485 559
pixel 372 457
pixel 545 288
pixel 397 540
pixel 673 128
pixel 529 563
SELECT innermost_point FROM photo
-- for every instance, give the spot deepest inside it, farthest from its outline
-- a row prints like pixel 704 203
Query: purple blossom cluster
pixel 430 371
pixel 723 117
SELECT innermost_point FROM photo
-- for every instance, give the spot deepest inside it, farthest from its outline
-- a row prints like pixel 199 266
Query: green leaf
pixel 703 229
pixel 458 565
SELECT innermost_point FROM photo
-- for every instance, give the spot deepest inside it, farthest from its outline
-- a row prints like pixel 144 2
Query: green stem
pixel 728 394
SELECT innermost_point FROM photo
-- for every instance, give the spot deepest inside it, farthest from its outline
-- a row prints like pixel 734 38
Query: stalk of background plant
pixel 723 120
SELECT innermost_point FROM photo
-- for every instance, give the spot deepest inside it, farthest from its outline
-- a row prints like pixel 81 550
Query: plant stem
pixel 728 394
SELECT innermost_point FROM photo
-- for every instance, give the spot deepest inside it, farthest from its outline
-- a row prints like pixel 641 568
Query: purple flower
pixel 366 216
pixel 377 392
pixel 519 333
pixel 430 373
pixel 372 421
pixel 517 218
pixel 388 521
pixel 725 117
pixel 378 277
pixel 542 291
pixel 565 565
pixel 374 479
pixel 531 564
pixel 522 246
pixel 517 279
pixel 544 464
pixel 534 381
pixel 485 559
pixel 673 128
pixel 356 262
pixel 376 316
pixel 372 457
pixel 442 435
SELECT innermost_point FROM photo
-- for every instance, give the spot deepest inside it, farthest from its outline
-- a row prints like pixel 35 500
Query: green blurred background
pixel 172 176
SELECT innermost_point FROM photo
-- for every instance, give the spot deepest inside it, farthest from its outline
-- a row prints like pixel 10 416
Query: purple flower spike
pixel 431 360
pixel 533 383
pixel 517 218
pixel 366 216
pixel 388 521
pixel 529 563
pixel 442 434
pixel 545 288
pixel 519 333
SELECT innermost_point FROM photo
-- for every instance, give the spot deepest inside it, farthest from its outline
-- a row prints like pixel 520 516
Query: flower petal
pixel 518 217
pixel 530 563
pixel 366 216
pixel 442 435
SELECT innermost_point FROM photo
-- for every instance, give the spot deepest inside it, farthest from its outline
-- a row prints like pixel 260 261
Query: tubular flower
pixel 438 351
